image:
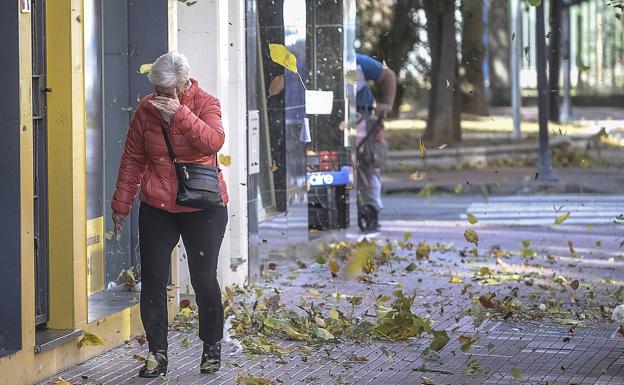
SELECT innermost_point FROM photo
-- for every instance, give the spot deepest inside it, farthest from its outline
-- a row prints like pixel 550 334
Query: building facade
pixel 71 68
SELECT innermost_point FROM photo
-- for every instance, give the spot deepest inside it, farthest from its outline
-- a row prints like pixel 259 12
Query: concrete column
pixel 211 34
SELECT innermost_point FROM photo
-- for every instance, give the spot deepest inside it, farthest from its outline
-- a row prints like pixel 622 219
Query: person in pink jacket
pixel 192 119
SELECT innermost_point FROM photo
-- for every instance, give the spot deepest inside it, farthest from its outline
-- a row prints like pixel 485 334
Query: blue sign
pixel 331 178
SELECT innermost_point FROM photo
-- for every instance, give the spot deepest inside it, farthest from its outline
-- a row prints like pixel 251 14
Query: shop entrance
pixel 40 161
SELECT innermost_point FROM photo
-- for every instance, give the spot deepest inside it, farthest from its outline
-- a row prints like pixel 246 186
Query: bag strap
pixel 168 143
pixel 170 147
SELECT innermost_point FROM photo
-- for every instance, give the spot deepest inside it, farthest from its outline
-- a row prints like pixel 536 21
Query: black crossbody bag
pixel 198 184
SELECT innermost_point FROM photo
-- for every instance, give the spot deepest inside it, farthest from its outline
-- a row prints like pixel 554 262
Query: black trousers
pixel 202 233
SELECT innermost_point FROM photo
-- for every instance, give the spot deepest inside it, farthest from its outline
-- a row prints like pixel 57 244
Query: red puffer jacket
pixel 196 136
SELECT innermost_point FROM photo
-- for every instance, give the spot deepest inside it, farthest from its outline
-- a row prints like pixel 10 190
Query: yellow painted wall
pixel 67 204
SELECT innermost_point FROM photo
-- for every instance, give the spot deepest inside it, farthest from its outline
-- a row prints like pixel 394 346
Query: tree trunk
pixel 554 60
pixel 500 52
pixel 474 99
pixel 443 122
pixel 395 45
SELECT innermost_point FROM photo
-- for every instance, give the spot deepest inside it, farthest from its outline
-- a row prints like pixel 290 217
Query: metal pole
pixel 516 57
pixel 566 105
pixel 544 170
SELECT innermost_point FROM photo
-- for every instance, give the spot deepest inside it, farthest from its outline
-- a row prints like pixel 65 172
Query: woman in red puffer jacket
pixel 192 119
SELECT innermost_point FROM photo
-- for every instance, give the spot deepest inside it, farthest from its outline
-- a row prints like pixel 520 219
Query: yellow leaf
pixel 89 339
pixel 472 219
pixel 352 77
pixel 283 57
pixel 333 314
pixel 274 167
pixel 458 188
pixel 225 160
pixel 61 381
pixel 418 175
pixel 562 218
pixel 145 68
pixel 151 362
pixel 185 342
pixel 359 258
pixel 423 150
pixel 456 279
pixel 276 86
pixel 471 236
pixel 334 267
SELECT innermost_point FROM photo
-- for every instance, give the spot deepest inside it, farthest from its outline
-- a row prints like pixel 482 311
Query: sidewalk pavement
pixel 549 323
pixel 505 180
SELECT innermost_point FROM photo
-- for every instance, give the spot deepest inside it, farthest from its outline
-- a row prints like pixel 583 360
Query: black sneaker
pixel 211 358
pixel 155 366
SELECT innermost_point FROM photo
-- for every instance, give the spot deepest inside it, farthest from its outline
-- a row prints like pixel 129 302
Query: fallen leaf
pixel 516 373
pixel 440 339
pixel 411 267
pixel 472 219
pixel 334 267
pixel 386 298
pixel 485 271
pixel 185 342
pixel 321 260
pixel 151 363
pixel 458 188
pixel 225 160
pixel 61 381
pixel 535 3
pixel 472 366
pixel 333 314
pixel 471 236
pixel 356 358
pixel 406 236
pixel 89 339
pixel 486 301
pixel 277 85
pixel 456 279
pixel 274 167
pixel 423 250
pixel 248 379
pixel 387 354
pixel 466 342
pixel 575 284
pixel 562 218
pixel 418 175
pixel 141 339
pixel 427 381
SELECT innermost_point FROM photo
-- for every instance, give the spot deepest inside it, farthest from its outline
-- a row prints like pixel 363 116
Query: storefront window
pixel 112 259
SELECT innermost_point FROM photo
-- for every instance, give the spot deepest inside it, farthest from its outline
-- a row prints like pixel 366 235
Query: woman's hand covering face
pixel 167 105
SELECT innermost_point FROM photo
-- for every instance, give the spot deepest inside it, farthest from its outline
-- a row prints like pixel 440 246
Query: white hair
pixel 170 70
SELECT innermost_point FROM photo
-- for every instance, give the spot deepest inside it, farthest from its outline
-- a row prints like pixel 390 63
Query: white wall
pixel 211 33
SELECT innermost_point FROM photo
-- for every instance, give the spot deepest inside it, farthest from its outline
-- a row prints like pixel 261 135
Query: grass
pixel 405 134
